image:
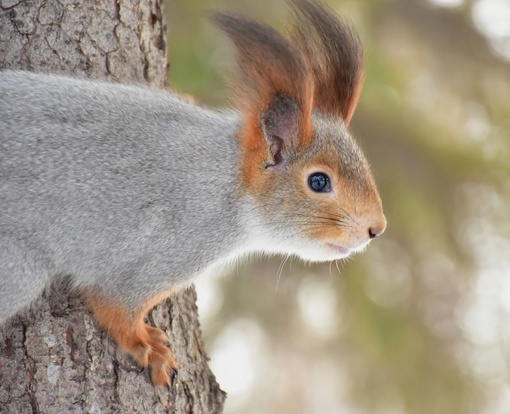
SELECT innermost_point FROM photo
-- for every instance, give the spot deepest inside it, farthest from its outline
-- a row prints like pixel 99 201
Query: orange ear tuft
pixel 272 71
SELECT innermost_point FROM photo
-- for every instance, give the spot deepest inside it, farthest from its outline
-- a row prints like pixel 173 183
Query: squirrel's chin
pixel 328 251
pixel 323 253
pixel 338 249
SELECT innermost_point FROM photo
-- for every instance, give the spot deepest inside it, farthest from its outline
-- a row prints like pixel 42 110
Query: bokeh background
pixel 420 323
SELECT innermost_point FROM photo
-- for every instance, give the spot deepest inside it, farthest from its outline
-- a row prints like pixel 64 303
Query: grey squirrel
pixel 132 192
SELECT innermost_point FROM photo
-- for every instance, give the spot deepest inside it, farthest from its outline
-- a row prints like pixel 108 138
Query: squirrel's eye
pixel 319 182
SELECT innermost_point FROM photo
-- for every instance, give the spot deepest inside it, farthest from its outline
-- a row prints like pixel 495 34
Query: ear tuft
pixel 334 54
pixel 271 67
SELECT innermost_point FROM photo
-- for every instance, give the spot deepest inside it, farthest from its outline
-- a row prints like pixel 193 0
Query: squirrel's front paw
pixel 146 344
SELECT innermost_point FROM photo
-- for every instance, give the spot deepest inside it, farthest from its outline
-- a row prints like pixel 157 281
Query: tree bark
pixel 52 358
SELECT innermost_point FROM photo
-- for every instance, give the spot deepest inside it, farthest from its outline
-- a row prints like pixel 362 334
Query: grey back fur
pixel 111 186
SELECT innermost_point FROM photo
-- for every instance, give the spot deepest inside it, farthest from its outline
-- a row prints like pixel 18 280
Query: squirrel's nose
pixel 376 229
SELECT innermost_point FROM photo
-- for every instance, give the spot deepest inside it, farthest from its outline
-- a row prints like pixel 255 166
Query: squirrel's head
pixel 307 186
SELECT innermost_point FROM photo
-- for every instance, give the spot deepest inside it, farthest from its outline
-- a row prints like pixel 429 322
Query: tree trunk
pixel 52 358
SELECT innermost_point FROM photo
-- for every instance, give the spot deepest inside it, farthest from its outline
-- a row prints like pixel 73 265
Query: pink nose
pixel 377 228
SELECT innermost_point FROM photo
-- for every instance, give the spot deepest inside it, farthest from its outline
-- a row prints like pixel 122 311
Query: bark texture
pixel 52 358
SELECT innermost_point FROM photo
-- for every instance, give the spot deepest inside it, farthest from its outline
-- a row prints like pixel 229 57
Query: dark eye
pixel 319 182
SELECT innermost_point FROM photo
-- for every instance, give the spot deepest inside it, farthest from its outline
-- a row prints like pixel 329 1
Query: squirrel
pixel 132 193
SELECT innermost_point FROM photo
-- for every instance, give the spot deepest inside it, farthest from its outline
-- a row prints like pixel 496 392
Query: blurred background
pixel 420 323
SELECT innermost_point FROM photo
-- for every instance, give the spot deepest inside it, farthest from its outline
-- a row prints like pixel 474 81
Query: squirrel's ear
pixel 280 126
pixel 274 90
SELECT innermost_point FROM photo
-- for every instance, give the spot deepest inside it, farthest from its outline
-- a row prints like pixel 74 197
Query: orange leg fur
pixel 146 344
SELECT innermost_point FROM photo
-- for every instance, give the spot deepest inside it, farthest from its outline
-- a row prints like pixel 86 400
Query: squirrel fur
pixel 131 192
